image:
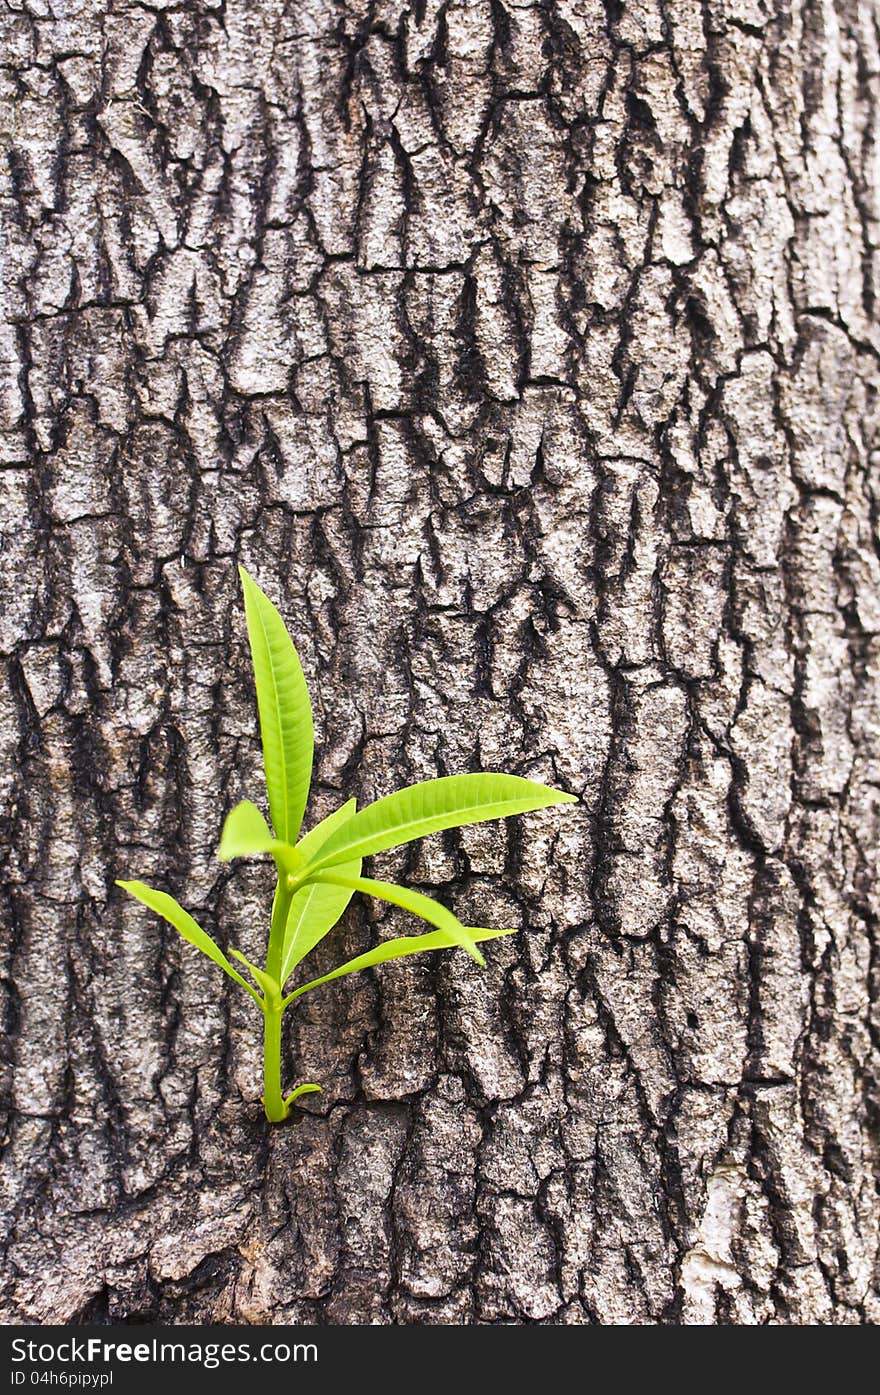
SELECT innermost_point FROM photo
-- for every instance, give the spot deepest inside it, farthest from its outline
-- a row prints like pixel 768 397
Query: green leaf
pixel 285 712
pixel 410 900
pixel 396 949
pixel 266 981
pixel 428 807
pixel 166 906
pixel 316 908
pixel 301 1090
pixel 317 836
pixel 246 834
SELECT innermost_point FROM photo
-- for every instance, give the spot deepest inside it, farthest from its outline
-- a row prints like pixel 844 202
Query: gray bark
pixel 528 355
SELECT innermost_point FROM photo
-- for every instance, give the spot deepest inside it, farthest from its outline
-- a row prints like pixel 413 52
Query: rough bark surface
pixel 528 354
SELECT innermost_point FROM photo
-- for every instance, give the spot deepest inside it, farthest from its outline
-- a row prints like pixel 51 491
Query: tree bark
pixel 528 355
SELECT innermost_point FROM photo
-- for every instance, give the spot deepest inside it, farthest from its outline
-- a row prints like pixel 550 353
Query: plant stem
pixel 280 909
pixel 276 1109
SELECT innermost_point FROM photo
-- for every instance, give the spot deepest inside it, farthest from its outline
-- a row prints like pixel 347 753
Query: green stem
pixel 276 1107
pixel 280 910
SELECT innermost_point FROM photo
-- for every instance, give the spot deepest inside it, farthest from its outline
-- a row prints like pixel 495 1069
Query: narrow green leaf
pixel 301 1090
pixel 317 836
pixel 316 908
pixel 266 981
pixel 396 949
pixel 433 805
pixel 285 712
pixel 166 906
pixel 410 900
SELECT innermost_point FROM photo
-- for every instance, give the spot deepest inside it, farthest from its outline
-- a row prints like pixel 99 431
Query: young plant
pixel 318 874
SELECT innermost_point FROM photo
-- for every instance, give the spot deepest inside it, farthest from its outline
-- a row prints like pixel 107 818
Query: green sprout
pixel 318 875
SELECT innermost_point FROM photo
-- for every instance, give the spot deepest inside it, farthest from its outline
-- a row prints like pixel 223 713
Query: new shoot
pixel 317 875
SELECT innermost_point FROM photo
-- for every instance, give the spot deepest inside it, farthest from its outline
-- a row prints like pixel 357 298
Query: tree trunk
pixel 528 355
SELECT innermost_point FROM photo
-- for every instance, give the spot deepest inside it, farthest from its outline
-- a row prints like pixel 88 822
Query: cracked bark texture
pixel 528 355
